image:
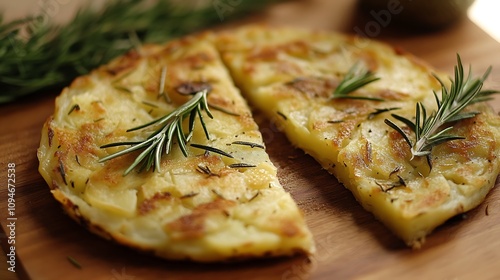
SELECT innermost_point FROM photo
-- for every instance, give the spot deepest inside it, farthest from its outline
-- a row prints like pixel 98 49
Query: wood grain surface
pixel 351 243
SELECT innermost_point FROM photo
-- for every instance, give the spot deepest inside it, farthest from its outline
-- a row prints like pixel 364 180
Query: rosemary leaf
pixel 212 149
pixel 250 144
pixel 356 78
pixel 241 165
pixel 75 107
pixel 380 111
pixel 74 262
pixel 223 110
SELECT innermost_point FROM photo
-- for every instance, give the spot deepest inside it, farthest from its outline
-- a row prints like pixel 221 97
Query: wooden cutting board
pixel 350 242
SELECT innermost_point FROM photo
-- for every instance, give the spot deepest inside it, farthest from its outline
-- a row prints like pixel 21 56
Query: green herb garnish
pixel 380 111
pixel 356 78
pixel 223 110
pixel 242 165
pixel 73 108
pixel 74 262
pixel 336 121
pixel 36 54
pixel 161 89
pixel 211 149
pixel 434 129
pixel 162 140
pixel 205 170
pixel 250 144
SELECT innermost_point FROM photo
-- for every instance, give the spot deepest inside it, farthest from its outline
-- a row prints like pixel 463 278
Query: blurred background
pixel 482 12
pixel 62 47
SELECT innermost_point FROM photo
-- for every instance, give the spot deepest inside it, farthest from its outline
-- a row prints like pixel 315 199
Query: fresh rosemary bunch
pixel 357 77
pixel 432 130
pixel 37 55
pixel 162 139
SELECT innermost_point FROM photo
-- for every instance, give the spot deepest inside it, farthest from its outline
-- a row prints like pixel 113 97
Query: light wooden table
pixel 351 244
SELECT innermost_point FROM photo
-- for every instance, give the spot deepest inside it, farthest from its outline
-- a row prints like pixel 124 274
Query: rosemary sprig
pixel 356 78
pixel 432 130
pixel 162 139
pixel 37 55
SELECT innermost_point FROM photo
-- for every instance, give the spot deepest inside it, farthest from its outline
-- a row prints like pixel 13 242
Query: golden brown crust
pixel 201 209
pixel 294 72
pixel 182 211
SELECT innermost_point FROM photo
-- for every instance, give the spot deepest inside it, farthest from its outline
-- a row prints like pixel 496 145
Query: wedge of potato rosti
pixel 203 206
pixel 290 74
